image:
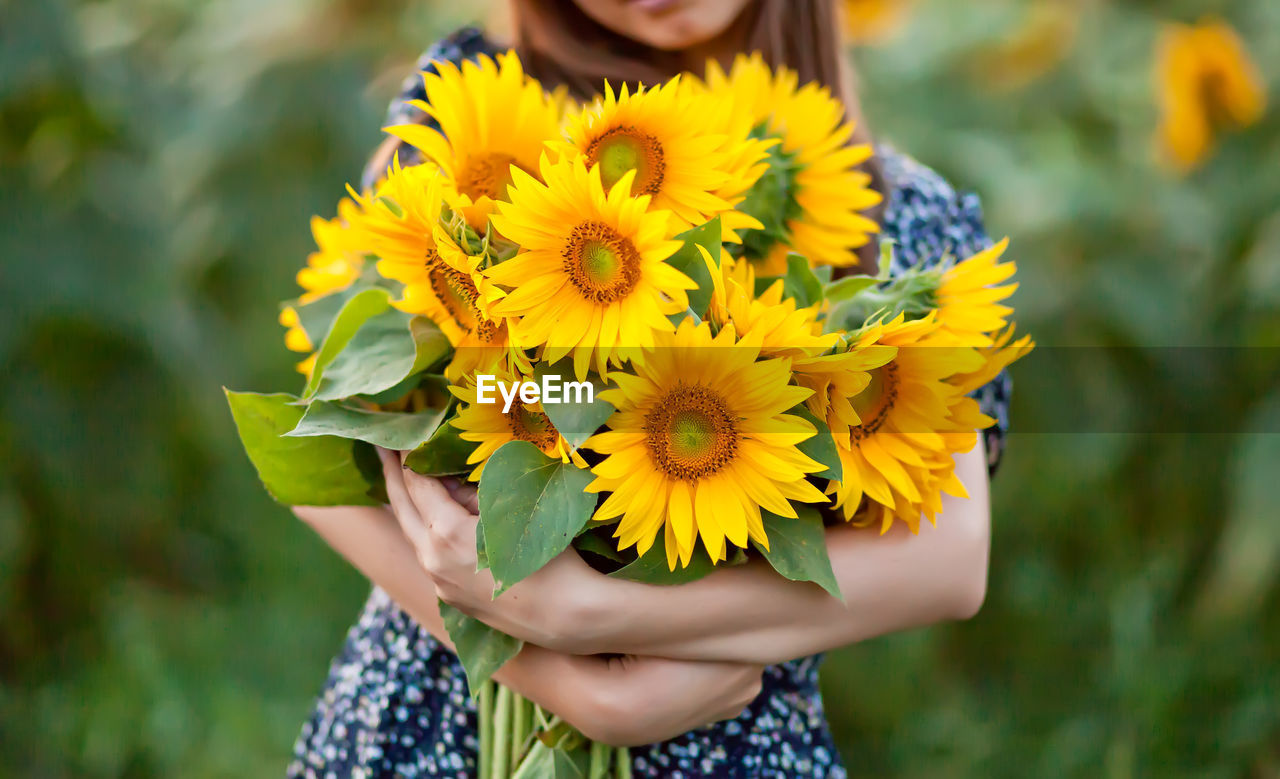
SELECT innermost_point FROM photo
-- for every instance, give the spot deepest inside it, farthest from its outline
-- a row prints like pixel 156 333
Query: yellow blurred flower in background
pixel 1042 40
pixel 874 21
pixel 1205 81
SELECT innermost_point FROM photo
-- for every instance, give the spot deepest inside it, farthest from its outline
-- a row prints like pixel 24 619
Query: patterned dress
pixel 396 702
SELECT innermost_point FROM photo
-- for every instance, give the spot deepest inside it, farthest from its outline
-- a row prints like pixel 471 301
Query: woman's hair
pixel 560 44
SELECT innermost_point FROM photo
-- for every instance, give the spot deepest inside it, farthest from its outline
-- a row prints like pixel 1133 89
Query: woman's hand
pixel 558 607
pixel 629 701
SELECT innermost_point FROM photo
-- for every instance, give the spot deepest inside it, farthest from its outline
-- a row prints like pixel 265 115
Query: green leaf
pixel 651 567
pixel 576 421
pixel 388 348
pixel 355 312
pixel 597 545
pixel 444 454
pixel 380 428
pixel 320 471
pixel 849 286
pixel 482 552
pixel 798 548
pixel 688 260
pixel 801 283
pixel 481 649
pixel 545 762
pixel 822 447
pixel 317 316
pixel 531 507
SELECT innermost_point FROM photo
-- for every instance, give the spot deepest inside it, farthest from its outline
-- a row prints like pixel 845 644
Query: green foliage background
pixel 159 616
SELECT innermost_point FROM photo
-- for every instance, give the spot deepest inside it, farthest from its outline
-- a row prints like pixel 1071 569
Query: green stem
pixel 519 729
pixel 622 763
pixel 484 715
pixel 599 760
pixel 502 734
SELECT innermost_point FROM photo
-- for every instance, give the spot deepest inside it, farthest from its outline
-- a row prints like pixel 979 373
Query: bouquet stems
pixel 519 740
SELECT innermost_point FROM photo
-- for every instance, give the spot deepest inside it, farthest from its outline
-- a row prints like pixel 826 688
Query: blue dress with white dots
pixel 396 702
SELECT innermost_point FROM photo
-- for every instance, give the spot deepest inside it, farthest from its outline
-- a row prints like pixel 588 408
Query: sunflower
pixel 969 294
pixel 673 141
pixel 403 224
pixel 590 278
pixel 768 321
pixel 1205 80
pixel 809 201
pixel 998 355
pixel 826 364
pixel 493 118
pixel 488 426
pixel 336 263
pixel 912 419
pixel 699 444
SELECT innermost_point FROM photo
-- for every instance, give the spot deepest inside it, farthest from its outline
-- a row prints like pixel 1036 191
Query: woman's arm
pixel 622 701
pixel 745 613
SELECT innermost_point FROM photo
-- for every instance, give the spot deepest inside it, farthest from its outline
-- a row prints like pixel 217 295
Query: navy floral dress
pixel 396 702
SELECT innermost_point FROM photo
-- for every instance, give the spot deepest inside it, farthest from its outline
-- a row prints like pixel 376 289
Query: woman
pixel 721 650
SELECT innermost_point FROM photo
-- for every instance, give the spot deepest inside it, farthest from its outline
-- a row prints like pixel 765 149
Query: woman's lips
pixel 654 6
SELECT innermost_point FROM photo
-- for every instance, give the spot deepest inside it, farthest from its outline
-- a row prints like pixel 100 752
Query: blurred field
pixel 160 617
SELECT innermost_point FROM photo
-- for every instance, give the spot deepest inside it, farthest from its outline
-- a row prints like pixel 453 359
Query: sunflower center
pixel 458 293
pixel 486 175
pixel 603 265
pixel 624 149
pixel 531 426
pixel 875 402
pixel 691 433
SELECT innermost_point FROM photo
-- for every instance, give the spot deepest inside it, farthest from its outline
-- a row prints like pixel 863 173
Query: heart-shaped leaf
pixel 319 471
pixel 798 548
pixel 481 649
pixel 531 507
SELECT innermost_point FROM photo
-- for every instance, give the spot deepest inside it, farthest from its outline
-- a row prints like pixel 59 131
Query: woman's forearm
pixel 750 614
pixel 371 540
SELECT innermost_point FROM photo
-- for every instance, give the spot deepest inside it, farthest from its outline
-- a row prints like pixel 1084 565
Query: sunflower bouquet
pixel 637 325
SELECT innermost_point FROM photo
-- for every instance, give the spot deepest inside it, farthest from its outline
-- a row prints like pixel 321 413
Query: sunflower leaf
pixel 798 548
pixel 386 349
pixel 380 428
pixel 577 420
pixel 355 312
pixel 444 454
pixel 822 447
pixel 481 649
pixel 688 260
pixel 318 471
pixel 651 567
pixel 801 283
pixel 848 287
pixel 531 507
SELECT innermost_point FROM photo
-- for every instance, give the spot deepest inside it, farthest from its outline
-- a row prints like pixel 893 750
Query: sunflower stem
pixel 502 734
pixel 519 728
pixel 599 760
pixel 622 762
pixel 484 708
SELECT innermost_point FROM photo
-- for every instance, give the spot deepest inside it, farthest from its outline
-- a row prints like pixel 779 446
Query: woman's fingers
pixel 464 494
pixel 402 505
